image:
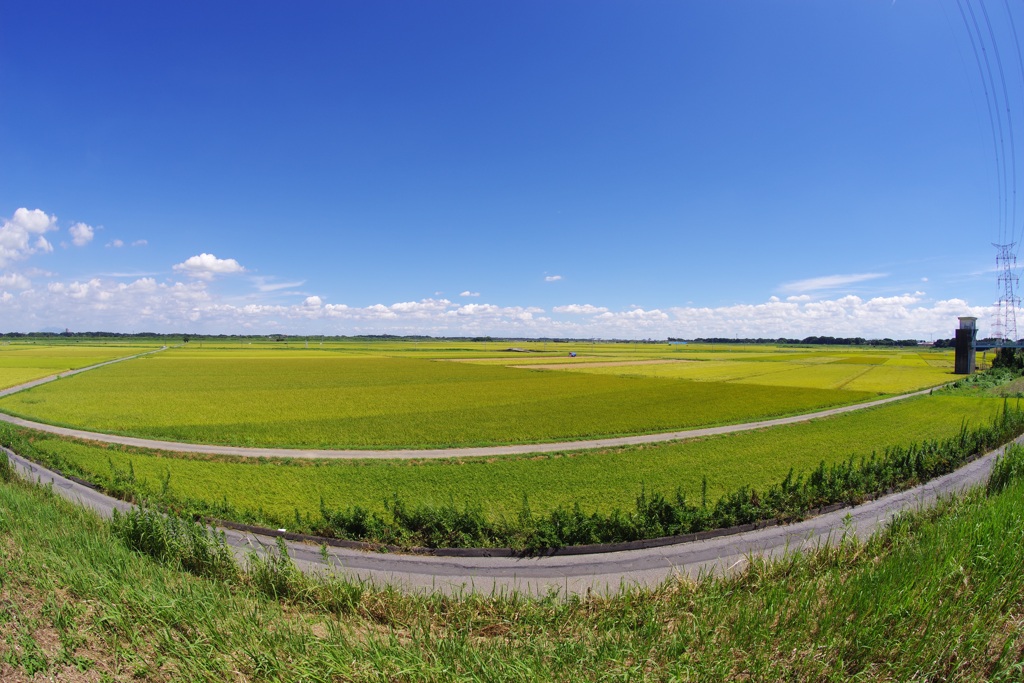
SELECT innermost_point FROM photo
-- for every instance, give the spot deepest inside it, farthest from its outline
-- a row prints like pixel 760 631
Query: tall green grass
pixel 939 595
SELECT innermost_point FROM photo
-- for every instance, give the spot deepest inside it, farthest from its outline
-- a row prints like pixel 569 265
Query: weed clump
pixel 176 541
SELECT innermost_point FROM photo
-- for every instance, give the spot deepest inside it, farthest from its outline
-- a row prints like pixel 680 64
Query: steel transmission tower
pixel 1006 320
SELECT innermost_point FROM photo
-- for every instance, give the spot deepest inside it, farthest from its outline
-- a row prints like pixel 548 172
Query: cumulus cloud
pixel 14 281
pixel 116 244
pixel 578 309
pixel 469 293
pixel 552 278
pixel 145 303
pixel 904 316
pixel 17 233
pixel 207 266
pixel 140 243
pixel 815 284
pixel 81 234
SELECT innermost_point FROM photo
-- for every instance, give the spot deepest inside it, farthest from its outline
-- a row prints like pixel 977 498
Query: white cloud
pixel 577 309
pixel 904 316
pixel 14 281
pixel 81 234
pixel 16 235
pixel 634 316
pixel 469 293
pixel 38 272
pixel 552 278
pixel 116 244
pixel 140 243
pixel 206 266
pixel 145 303
pixel 264 284
pixel 815 284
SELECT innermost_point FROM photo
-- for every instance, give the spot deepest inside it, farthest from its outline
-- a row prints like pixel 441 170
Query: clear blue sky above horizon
pixel 610 169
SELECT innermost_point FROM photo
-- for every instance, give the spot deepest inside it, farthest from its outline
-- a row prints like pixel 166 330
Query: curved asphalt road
pixel 409 453
pixel 568 574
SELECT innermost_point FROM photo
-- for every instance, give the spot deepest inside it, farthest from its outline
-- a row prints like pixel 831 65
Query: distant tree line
pixel 831 341
pixel 84 335
pixel 951 343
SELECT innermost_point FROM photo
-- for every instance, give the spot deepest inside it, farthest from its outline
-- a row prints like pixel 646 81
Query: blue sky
pixel 592 169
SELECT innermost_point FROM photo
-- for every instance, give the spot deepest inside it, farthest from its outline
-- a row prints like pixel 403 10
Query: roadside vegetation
pixel 939 595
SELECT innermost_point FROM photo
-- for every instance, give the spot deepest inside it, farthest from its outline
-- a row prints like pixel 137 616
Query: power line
pixel 1009 123
pixel 996 138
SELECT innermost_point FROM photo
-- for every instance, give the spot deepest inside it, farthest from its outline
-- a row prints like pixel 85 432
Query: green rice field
pixel 24 362
pixel 411 394
pixel 597 480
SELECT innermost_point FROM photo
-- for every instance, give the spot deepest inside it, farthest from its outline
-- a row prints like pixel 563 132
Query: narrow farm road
pixel 410 453
pixel 605 572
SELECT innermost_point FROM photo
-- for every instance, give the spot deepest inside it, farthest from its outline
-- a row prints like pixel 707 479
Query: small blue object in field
pixel 572 354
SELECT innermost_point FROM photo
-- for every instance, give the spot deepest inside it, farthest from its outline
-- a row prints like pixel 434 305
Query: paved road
pixel 409 453
pixel 570 574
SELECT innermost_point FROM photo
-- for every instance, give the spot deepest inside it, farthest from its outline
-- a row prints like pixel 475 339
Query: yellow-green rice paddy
pixel 413 396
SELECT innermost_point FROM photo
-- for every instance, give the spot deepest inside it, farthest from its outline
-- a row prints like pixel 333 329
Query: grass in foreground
pixel 938 596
